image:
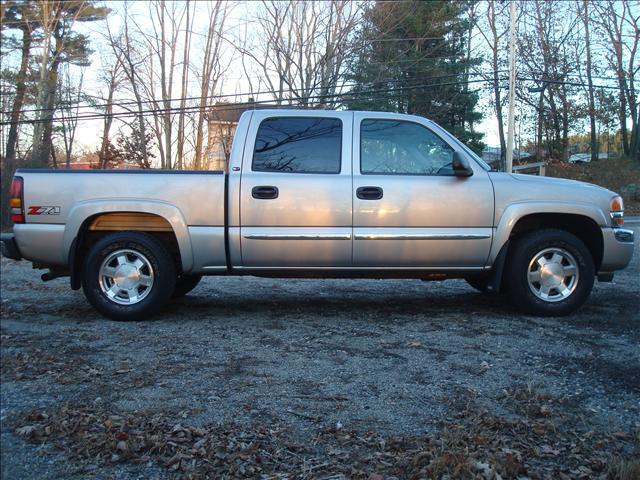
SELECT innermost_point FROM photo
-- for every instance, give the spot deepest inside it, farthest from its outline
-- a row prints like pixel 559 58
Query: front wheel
pixel 550 273
pixel 128 275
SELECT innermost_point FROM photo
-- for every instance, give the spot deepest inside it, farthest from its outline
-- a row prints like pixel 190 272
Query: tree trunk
pixel 21 88
pixel 9 165
pixel 41 160
pixel 592 107
pixel 108 119
pixel 540 148
pixel 52 151
pixel 635 147
pixel 565 128
pixel 622 115
pixel 498 100
pixel 183 94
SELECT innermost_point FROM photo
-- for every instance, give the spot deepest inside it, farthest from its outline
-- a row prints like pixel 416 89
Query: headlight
pixel 617 211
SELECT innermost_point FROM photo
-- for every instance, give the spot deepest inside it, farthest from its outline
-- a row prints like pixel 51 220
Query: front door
pixel 295 194
pixel 410 211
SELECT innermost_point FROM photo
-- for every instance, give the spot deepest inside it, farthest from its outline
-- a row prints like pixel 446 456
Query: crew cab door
pixel 410 211
pixel 295 192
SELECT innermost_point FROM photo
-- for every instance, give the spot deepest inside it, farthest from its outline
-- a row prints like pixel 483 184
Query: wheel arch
pixel 583 221
pixel 158 218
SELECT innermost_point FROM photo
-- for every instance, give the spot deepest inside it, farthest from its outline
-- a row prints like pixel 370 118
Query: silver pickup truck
pixel 320 194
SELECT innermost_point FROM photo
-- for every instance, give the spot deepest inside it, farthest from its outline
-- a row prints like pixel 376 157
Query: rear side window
pixel 298 145
pixel 396 147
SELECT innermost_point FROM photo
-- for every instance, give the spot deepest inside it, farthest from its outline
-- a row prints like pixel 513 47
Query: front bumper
pixel 623 235
pixel 618 249
pixel 9 247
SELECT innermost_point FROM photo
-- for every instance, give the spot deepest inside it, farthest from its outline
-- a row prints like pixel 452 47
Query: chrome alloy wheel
pixel 553 274
pixel 126 277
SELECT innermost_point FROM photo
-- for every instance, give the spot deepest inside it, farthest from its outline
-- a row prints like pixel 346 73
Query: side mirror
pixel 460 164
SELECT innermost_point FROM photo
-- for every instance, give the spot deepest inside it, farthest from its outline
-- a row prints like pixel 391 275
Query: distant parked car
pixel 580 158
pixel 586 157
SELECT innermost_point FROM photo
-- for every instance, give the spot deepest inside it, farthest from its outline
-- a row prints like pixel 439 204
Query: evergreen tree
pixel 137 147
pixel 413 59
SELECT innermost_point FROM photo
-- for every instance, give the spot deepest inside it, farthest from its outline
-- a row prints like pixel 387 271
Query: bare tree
pixel 584 13
pixel 210 72
pixel 49 16
pixel 620 20
pixel 60 44
pixel 23 16
pixel 128 56
pixel 494 42
pixel 546 59
pixel 69 98
pixel 301 49
pixel 184 85
pixel 112 77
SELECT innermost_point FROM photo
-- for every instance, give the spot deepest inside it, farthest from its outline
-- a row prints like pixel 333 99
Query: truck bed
pixel 192 202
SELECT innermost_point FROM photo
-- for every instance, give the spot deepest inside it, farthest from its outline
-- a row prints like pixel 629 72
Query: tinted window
pixel 395 148
pixel 298 145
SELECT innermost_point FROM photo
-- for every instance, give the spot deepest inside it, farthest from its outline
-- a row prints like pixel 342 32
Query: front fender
pixel 514 212
pixel 84 210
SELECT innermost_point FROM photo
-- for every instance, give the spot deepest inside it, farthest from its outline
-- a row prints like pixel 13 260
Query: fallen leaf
pixel 547 450
pixel 538 430
pixel 26 431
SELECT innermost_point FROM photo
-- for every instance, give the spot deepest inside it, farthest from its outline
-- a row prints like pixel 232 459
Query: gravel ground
pixel 395 359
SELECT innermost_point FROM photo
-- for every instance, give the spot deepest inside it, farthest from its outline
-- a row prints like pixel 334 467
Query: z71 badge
pixel 43 210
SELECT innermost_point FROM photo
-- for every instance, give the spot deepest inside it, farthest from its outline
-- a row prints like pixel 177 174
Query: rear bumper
pixel 42 243
pixel 618 249
pixel 9 247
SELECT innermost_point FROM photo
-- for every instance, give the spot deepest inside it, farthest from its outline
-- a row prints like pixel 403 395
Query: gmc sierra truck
pixel 320 194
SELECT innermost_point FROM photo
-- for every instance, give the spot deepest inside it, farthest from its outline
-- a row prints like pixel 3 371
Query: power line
pixel 343 96
pixel 208 97
pixel 571 84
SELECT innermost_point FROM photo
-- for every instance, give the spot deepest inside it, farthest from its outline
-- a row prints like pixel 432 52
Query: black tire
pixel 479 283
pixel 525 249
pixel 186 283
pixel 160 261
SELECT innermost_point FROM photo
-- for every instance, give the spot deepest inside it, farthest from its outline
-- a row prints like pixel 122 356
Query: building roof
pixel 231 112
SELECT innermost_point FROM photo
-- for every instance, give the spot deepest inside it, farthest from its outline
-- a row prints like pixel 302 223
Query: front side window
pixel 395 147
pixel 298 145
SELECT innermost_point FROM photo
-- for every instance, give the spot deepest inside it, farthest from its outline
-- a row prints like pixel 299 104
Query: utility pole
pixel 512 88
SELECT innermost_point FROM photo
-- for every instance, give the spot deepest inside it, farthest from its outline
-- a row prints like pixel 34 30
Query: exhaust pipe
pixel 54 273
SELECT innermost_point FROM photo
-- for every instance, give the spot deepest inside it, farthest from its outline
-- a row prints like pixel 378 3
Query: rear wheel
pixel 186 283
pixel 550 273
pixel 128 275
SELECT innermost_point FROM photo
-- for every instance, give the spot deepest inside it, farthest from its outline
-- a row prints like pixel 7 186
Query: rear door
pixel 410 211
pixel 295 193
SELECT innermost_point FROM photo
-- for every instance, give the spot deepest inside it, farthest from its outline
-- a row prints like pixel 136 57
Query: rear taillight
pixel 17 200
